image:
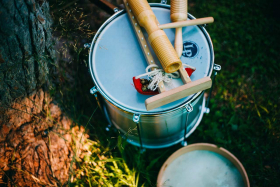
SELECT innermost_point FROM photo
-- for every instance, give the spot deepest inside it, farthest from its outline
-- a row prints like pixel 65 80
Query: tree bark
pixel 26 47
pixel 34 143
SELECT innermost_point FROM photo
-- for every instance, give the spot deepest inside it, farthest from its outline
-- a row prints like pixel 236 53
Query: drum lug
pixel 217 67
pixel 93 90
pixel 184 143
pixel 116 9
pixel 136 118
pixel 206 110
pixel 163 2
pixel 189 107
pixel 87 45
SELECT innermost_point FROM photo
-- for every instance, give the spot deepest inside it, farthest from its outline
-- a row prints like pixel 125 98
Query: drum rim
pixel 194 96
pixel 209 147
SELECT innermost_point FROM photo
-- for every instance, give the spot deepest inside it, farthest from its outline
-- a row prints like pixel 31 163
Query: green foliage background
pixel 244 115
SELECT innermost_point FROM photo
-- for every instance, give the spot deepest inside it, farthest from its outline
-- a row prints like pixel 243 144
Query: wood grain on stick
pixel 178 93
pixel 160 43
pixel 178 12
pixel 143 43
pixel 178 42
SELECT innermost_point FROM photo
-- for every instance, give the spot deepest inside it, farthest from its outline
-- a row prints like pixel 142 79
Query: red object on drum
pixel 189 71
pixel 138 85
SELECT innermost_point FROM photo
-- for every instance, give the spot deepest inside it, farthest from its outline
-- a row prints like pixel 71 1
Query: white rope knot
pixel 158 75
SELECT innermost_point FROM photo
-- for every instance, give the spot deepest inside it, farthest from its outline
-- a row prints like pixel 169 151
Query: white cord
pixel 157 76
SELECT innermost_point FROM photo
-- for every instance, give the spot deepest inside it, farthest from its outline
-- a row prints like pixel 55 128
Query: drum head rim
pixel 194 96
pixel 208 147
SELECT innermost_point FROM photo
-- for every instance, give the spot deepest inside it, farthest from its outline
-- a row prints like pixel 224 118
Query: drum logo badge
pixel 190 49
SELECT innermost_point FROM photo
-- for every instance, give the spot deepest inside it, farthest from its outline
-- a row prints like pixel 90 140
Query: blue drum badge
pixel 190 49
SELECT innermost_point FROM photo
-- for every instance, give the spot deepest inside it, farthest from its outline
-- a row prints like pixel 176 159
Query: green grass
pixel 244 115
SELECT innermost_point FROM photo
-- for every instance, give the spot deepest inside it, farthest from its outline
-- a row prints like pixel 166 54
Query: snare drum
pixel 116 57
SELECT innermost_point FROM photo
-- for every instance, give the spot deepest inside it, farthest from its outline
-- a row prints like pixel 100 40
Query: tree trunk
pixel 26 47
pixel 34 146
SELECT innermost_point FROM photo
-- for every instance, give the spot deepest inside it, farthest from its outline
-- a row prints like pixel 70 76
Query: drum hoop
pixel 128 110
pixel 208 147
pixel 154 114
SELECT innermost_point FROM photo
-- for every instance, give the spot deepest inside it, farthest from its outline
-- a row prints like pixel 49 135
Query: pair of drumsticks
pixel 167 55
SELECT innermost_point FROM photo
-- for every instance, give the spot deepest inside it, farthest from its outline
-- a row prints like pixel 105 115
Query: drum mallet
pixel 178 12
pixel 157 37
pixel 166 55
pixel 198 21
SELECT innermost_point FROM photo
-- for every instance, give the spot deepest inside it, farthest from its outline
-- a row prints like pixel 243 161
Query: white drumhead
pixel 116 57
pixel 197 166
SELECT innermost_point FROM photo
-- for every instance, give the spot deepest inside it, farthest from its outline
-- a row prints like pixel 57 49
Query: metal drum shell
pixel 158 129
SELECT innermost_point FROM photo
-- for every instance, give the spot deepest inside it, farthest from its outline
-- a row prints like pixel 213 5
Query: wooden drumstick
pixel 143 43
pixel 178 93
pixel 199 21
pixel 157 38
pixel 178 12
